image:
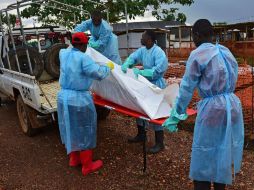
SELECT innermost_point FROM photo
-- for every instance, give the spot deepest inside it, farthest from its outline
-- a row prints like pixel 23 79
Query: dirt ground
pixel 40 162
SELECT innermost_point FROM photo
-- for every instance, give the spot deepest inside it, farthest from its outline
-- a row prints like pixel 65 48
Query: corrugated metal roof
pixel 157 26
pixel 120 27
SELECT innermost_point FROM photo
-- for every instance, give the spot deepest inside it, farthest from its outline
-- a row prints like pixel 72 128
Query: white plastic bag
pixel 136 94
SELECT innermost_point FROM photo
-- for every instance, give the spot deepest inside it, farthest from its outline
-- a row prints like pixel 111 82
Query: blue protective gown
pixel 108 43
pixel 156 59
pixel 76 111
pixel 219 128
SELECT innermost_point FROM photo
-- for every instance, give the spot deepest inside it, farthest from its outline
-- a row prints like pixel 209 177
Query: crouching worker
pixel 76 111
pixel 219 129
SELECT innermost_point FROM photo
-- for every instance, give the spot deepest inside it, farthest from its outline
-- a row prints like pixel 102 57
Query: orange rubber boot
pixel 88 166
pixel 74 159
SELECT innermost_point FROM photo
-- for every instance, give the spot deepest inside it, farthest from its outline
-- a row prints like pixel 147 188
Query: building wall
pixel 134 42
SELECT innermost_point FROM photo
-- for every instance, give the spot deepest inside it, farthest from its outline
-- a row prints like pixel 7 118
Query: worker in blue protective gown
pixel 76 111
pixel 219 129
pixel 102 38
pixel 155 63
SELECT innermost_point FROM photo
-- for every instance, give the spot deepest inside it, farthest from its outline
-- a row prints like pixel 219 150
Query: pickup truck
pixel 36 100
pixel 36 97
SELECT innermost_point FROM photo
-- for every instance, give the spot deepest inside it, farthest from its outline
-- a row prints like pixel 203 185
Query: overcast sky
pixel 230 11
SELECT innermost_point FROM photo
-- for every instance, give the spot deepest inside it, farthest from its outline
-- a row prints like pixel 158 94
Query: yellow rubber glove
pixel 110 65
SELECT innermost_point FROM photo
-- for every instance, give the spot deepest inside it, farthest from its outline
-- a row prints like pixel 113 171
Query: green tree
pixel 12 19
pixel 116 10
pixel 170 15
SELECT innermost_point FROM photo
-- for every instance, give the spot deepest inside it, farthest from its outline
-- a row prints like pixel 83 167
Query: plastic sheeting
pixel 136 94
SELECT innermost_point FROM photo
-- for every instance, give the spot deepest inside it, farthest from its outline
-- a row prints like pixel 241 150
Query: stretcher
pixel 99 101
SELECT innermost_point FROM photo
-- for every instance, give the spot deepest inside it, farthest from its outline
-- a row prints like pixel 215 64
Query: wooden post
pixel 225 35
pixel 180 38
pixel 246 31
pixel 220 35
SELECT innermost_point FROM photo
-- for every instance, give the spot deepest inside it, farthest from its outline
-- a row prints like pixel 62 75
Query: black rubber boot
pixel 219 186
pixel 140 137
pixel 159 143
pixel 202 185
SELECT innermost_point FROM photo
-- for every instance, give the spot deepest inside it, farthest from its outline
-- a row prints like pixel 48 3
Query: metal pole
pixel 1 64
pixel 1 28
pixel 5 42
pixel 67 5
pixel 38 40
pixel 75 8
pixel 24 3
pixel 107 15
pixel 144 151
pixel 24 39
pixel 166 40
pixel 75 21
pixel 126 25
pixel 81 12
pixel 41 2
pixel 12 41
pixel 180 38
pixel 46 5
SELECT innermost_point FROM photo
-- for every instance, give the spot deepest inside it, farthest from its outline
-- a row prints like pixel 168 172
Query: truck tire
pixel 51 59
pixel 24 120
pixel 102 113
pixel 28 117
pixel 36 123
pixel 35 57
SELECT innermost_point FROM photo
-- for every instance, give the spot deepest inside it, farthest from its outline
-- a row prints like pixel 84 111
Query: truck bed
pixel 50 90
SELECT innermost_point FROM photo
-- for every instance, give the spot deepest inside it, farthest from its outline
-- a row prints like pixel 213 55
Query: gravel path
pixel 40 162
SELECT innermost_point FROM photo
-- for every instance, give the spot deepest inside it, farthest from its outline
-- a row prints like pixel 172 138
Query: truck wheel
pixel 35 57
pixel 51 58
pixel 102 113
pixel 24 120
pixel 36 123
